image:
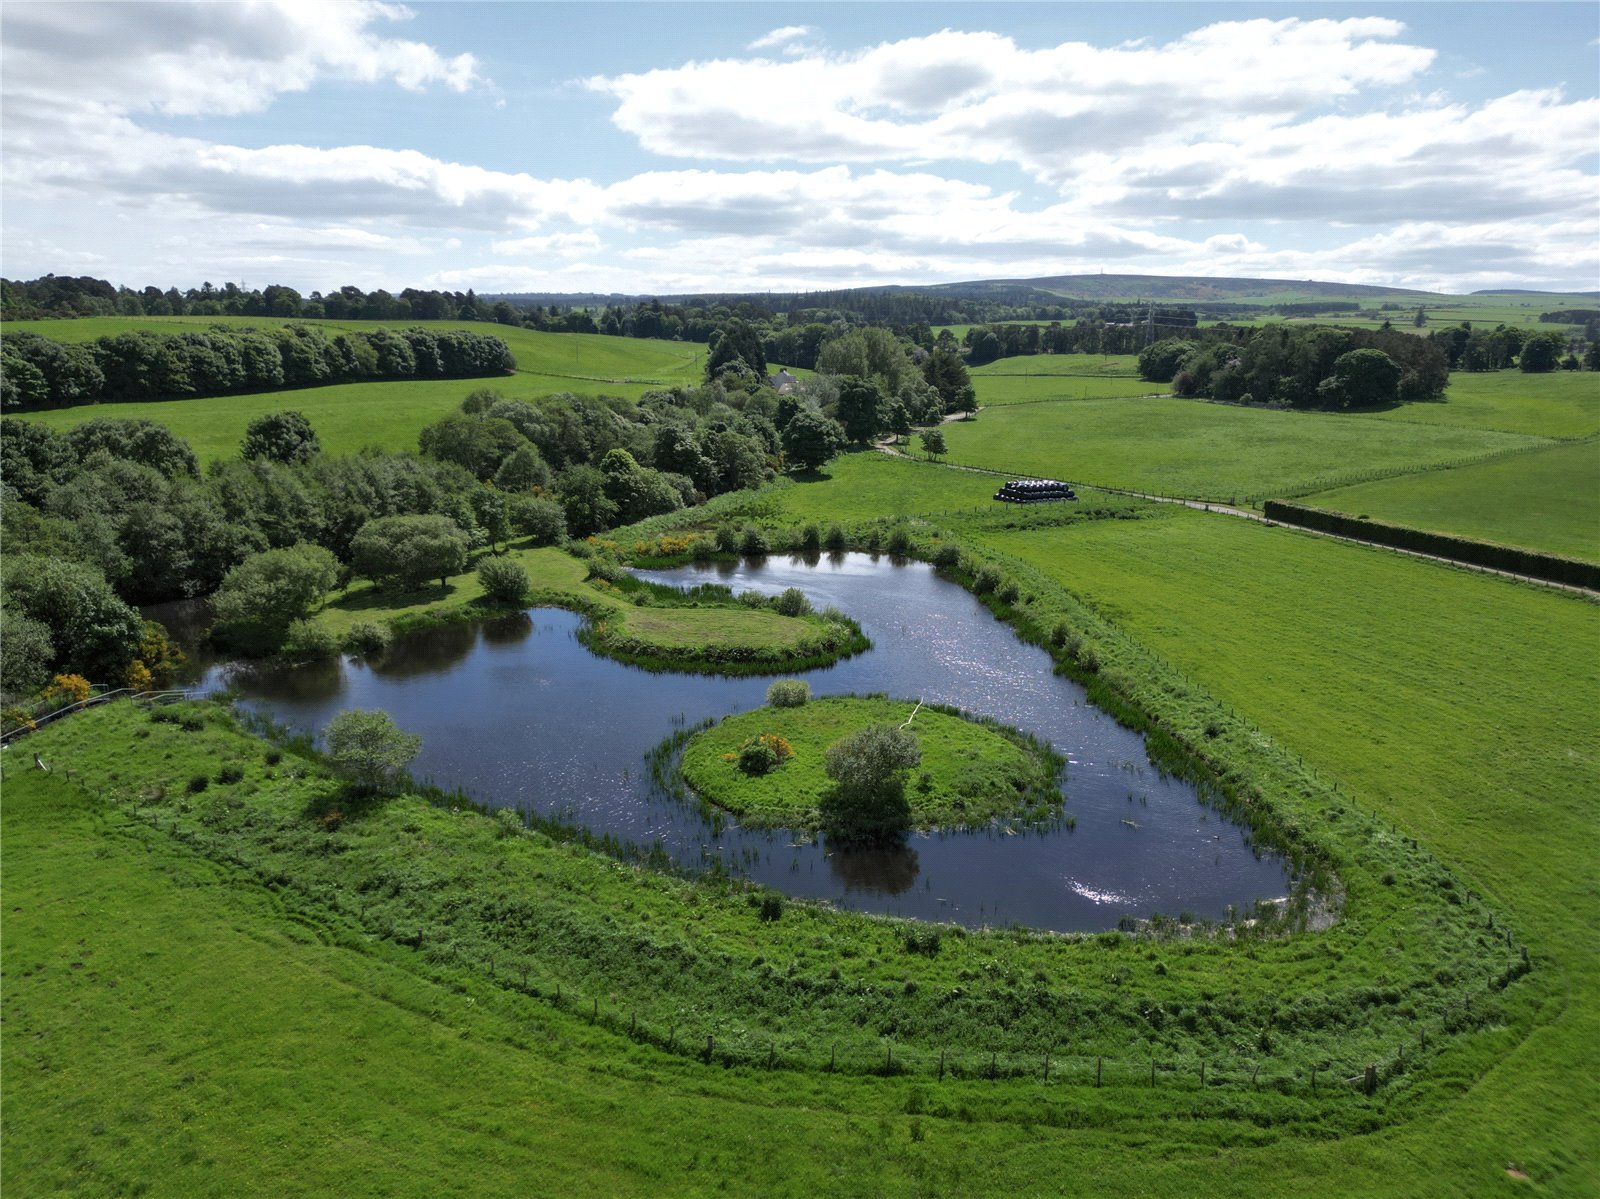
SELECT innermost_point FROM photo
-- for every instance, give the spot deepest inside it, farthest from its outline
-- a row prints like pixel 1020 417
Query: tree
pixel 370 748
pixel 1541 352
pixel 811 439
pixel 261 597
pixel 408 550
pixel 860 409
pixel 25 653
pixel 868 768
pixel 1361 379
pixel 94 633
pixel 933 442
pixel 947 374
pixel 281 436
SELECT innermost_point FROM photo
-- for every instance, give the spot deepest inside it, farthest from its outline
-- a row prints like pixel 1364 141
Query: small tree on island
pixel 868 767
pixel 369 748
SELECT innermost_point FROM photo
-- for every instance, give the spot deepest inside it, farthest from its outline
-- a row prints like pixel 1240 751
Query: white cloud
pixel 782 36
pixel 197 59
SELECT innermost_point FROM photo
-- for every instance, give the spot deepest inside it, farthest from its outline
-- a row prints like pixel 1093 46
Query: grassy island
pixel 705 629
pixel 972 770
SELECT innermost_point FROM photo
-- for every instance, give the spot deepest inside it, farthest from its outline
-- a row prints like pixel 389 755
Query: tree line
pixel 37 372
pixel 1299 366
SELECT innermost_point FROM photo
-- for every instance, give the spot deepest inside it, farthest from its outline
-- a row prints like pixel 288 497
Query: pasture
pixel 1208 451
pixel 1558 404
pixel 1548 499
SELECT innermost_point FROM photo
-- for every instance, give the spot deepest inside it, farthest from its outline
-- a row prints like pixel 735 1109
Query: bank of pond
pixel 517 712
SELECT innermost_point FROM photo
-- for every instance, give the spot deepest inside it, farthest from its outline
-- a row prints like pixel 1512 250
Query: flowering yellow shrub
pixel 67 689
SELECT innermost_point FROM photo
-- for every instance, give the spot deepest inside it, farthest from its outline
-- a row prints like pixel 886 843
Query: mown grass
pixel 1207 451
pixel 969 773
pixel 1558 404
pixel 1548 499
pixel 865 484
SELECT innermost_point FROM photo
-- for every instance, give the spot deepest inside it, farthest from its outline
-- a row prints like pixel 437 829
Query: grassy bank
pixel 970 773
pixel 646 625
pixel 1558 404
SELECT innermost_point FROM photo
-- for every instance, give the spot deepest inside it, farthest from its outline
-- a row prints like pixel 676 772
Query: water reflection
pixel 874 869
pixel 519 714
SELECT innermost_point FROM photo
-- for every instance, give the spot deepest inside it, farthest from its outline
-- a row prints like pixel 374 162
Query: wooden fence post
pixel 1369 1080
pixel 1098 1062
pixel 941 1065
pixel 711 1048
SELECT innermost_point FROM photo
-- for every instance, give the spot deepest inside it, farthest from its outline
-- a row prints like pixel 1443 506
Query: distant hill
pixel 1048 290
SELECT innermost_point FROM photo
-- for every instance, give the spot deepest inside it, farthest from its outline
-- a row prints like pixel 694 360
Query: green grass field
pixel 969 774
pixel 221 991
pixel 1460 706
pixel 1037 377
pixel 1206 451
pixel 1558 404
pixel 1548 499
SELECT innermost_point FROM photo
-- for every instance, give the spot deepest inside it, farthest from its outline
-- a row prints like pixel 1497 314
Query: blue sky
pixel 679 148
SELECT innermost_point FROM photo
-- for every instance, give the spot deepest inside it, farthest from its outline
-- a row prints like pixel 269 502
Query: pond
pixel 517 713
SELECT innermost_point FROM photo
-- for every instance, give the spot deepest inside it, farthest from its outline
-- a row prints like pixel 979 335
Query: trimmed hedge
pixel 1551 567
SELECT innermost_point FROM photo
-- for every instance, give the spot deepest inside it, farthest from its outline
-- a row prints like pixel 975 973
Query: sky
pixel 674 148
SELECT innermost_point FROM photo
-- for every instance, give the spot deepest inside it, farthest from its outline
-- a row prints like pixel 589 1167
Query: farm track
pixel 889 448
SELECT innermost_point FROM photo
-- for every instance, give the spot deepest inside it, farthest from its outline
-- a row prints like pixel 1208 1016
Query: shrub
pixel 1008 592
pixel 900 542
pixel 986 580
pixel 66 689
pixel 368 747
pixel 503 581
pixel 833 539
pixel 810 539
pixel 367 637
pixel 702 548
pixel 198 784
pixel 757 758
pixel 947 556
pixel 771 906
pixel 508 823
pixel 230 774
pixel 792 602
pixel 727 539
pixel 753 542
pixel 273 757
pixel 307 641
pixel 788 693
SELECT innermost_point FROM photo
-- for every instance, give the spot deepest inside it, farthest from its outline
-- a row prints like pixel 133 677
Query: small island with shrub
pixel 869 768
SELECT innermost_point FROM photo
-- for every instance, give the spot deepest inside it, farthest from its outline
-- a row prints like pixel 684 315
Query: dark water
pixel 519 714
